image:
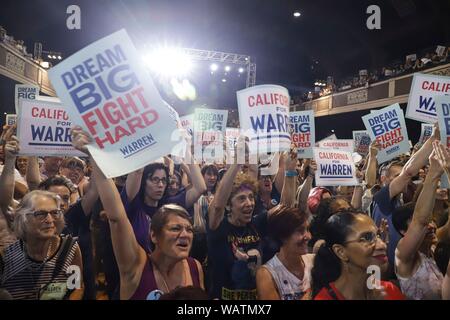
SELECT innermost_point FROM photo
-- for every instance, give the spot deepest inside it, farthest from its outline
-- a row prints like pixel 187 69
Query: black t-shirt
pixel 233 279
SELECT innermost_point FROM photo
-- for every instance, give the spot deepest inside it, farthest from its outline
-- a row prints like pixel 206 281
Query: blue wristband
pixel 290 173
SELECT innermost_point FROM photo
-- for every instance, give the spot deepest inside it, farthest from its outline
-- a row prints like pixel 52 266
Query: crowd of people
pixel 412 63
pixel 194 230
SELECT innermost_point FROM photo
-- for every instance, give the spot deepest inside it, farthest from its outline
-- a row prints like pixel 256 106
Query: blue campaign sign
pixel 388 127
pixel 303 132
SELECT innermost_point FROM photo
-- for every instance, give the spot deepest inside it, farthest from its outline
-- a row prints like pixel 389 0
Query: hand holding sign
pixel 80 139
pixel 291 159
pixel 435 170
pixel 375 146
pixel 12 148
pixel 442 156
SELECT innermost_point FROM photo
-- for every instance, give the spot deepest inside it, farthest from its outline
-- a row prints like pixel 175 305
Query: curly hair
pixel 243 181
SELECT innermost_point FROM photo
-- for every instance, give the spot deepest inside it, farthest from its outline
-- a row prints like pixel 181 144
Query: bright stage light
pixel 227 68
pixel 224 80
pixel 213 67
pixel 241 70
pixel 297 14
pixel 184 90
pixel 168 62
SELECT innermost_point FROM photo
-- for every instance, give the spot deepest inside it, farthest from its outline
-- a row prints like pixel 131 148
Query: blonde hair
pixel 26 206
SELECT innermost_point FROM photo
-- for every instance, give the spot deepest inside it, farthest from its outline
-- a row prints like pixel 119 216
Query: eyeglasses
pixel 178 228
pixel 41 215
pixel 156 180
pixel 368 238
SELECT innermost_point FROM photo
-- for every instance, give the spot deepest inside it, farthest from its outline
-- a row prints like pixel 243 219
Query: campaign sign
pixel 421 102
pixel 425 134
pixel 11 119
pixel 25 91
pixel 108 92
pixel 44 129
pixel 303 133
pixel 187 122
pixel 231 136
pixel 362 142
pixel 443 112
pixel 209 133
pixel 334 168
pixel 264 118
pixel 340 144
pixel 388 127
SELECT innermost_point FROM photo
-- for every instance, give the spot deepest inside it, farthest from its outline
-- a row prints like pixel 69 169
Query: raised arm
pixel 133 183
pixel 372 164
pixel 216 208
pixel 130 256
pixel 7 176
pixel 198 183
pixel 33 176
pixel 443 155
pixel 305 188
pixel 412 167
pixel 409 245
pixel 446 284
pixel 90 197
pixel 279 178
pixel 290 180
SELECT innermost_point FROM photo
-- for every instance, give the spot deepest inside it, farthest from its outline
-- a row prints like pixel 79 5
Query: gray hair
pixel 26 206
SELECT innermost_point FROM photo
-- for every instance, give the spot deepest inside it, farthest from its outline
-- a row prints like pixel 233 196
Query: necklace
pixel 184 277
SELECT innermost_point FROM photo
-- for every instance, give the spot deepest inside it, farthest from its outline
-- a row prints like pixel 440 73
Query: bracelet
pixel 290 173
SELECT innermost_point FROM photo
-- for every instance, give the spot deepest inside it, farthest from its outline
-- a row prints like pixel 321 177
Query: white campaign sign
pixel 340 144
pixel 443 112
pixel 108 93
pixel 303 133
pixel 187 122
pixel 44 129
pixel 426 132
pixel 334 168
pixel 388 127
pixel 421 104
pixel 231 136
pixel 362 142
pixel 25 91
pixel 264 118
pixel 209 133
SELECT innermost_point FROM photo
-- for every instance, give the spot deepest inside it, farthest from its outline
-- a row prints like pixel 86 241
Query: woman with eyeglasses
pixel 42 264
pixel 415 267
pixel 146 190
pixel 146 276
pixel 287 275
pixel 342 266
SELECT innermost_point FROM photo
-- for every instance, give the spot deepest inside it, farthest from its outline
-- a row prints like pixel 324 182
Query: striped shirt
pixel 26 279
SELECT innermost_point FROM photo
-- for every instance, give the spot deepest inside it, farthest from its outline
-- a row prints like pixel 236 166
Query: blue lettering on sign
pixel 335 171
pixel 384 127
pixel 52 134
pixel 445 109
pixel 267 123
pixel 428 105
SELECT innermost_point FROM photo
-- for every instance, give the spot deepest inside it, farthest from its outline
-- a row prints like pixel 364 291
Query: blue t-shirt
pixel 140 214
pixel 383 208
pixel 232 279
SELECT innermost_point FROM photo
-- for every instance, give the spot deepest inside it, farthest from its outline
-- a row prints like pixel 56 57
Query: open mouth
pixel 382 258
pixel 184 245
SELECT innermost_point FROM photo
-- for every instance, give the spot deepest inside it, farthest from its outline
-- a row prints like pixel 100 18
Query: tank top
pixel 148 289
pixel 26 279
pixel 425 283
pixel 289 286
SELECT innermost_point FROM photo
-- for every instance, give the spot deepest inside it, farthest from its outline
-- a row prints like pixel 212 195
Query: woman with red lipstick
pixel 340 271
pixel 287 275
pixel 146 276
pixel 416 269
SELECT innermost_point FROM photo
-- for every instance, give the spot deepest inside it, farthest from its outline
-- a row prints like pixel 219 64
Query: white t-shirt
pixel 289 286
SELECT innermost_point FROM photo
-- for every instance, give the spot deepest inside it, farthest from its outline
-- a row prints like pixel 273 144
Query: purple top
pixel 140 214
pixel 148 289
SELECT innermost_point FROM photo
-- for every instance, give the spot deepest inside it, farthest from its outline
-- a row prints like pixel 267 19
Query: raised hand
pixel 12 147
pixel 291 159
pixel 442 155
pixel 80 139
pixel 436 169
pixel 375 146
